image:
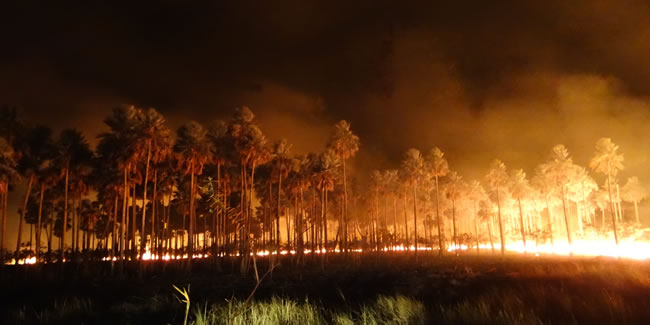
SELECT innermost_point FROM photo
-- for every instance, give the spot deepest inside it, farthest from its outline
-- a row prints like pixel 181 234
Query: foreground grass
pixel 438 291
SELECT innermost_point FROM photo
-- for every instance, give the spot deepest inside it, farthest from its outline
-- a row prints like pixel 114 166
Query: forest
pixel 223 189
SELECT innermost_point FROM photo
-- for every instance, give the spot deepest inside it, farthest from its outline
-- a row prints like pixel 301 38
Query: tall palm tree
pixel 345 144
pixel 193 151
pixel 497 179
pixel 476 195
pixel 413 167
pixel 634 192
pixel 8 175
pixel 520 188
pixel 454 188
pixel 251 145
pixel 608 161
pixel 545 184
pixel 437 165
pixel 562 171
pixel 281 160
pixel 325 176
pixel 391 188
pixel 73 151
pixel 221 154
pixel 154 138
pixel 37 153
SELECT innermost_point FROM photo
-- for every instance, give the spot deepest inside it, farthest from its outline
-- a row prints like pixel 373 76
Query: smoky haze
pixel 481 80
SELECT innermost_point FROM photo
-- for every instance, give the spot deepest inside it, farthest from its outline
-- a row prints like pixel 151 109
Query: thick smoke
pixel 481 80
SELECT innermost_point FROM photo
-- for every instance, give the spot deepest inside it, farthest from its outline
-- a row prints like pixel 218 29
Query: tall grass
pixel 386 310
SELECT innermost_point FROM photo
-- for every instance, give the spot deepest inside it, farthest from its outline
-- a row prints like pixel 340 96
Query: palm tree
pixel 120 143
pixel 608 161
pixel 413 167
pixel 325 176
pixel 497 179
pixel 378 185
pixel 544 183
pixel 520 188
pixel 37 153
pixel 73 152
pixel 454 188
pixel 8 175
pixel 192 152
pixel 281 160
pixel 221 151
pixel 154 137
pixel 251 145
pixel 44 152
pixel 476 194
pixel 578 190
pixel 562 172
pixel 437 164
pixel 634 192
pixel 345 144
pixel 391 188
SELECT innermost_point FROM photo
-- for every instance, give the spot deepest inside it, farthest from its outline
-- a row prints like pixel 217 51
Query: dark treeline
pixel 224 189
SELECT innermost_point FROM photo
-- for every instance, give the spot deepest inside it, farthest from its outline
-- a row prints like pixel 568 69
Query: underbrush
pixel 437 291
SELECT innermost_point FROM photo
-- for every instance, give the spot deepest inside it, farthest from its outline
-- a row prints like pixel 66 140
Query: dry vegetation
pixel 384 290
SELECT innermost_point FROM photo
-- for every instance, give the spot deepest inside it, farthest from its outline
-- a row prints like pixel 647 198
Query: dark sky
pixel 480 79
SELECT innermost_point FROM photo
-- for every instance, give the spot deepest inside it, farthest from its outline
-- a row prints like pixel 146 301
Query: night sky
pixel 479 79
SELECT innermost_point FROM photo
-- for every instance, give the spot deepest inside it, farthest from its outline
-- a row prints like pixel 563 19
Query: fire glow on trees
pixel 226 190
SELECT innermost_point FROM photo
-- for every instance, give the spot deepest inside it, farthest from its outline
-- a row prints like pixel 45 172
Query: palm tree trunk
pixel 618 202
pixel 154 211
pixel 406 224
pixel 503 240
pixel 144 204
pixel 478 248
pixel 22 215
pixel 3 195
pixel 566 221
pixel 190 239
pixel 38 227
pixel 345 210
pixel 134 218
pixel 521 224
pixel 611 204
pixel 415 220
pixel 453 218
pixel 123 225
pixel 277 215
pixel 440 246
pixel 394 221
pixel 489 223
pixel 375 221
pixel 550 219
pixel 325 221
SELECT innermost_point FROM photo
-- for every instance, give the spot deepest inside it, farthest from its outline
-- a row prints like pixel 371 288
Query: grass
pixel 386 310
pixel 448 290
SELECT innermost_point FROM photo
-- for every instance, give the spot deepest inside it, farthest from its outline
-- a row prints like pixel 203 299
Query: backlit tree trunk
pixel 22 215
pixel 38 223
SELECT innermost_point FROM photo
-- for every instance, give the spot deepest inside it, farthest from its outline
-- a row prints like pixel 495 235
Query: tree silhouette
pixel 192 152
pixel 608 161
pixel 413 167
pixel 345 144
pixel 476 195
pixel 73 156
pixel 562 171
pixel 454 188
pixel 634 192
pixel 437 165
pixel 497 179
pixel 520 188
